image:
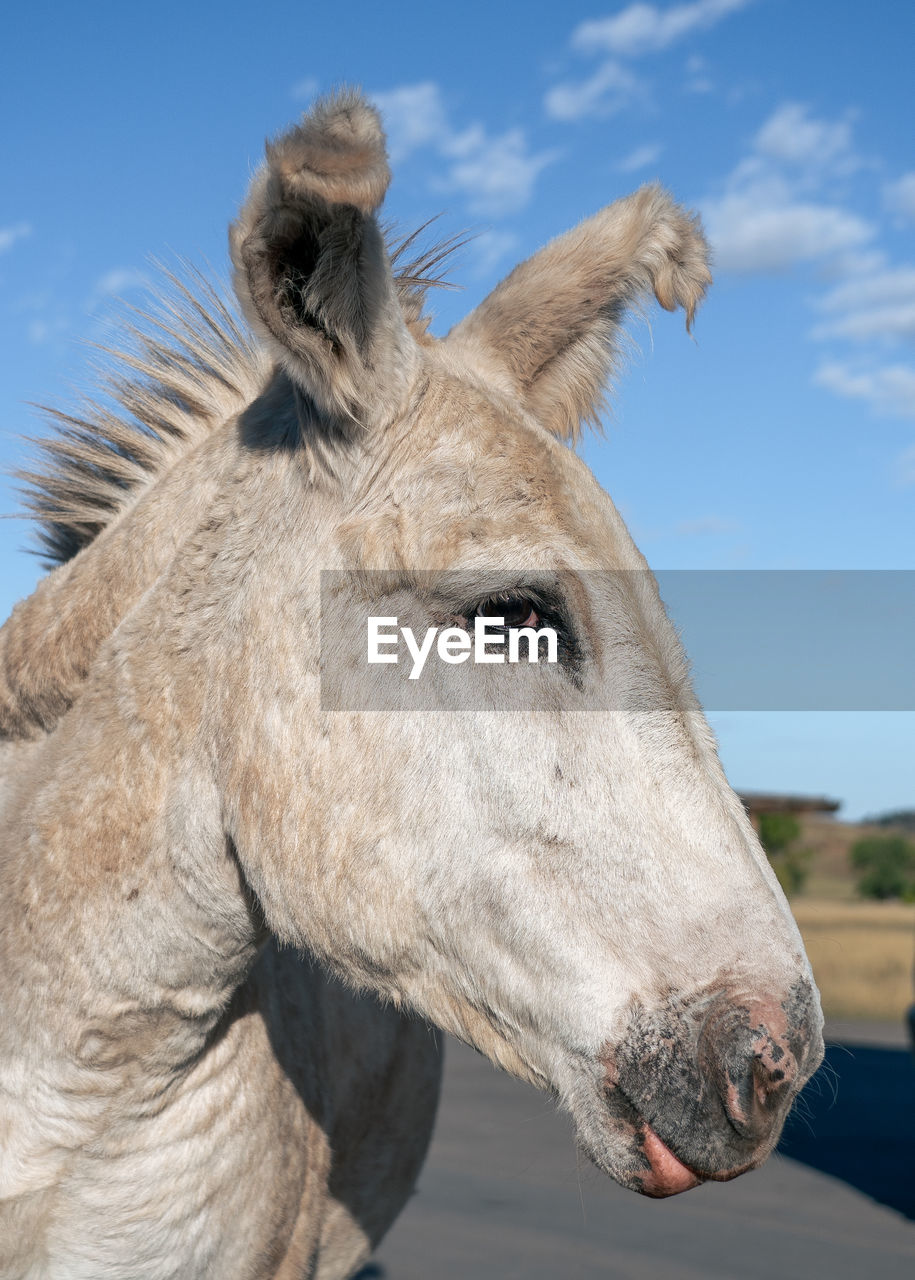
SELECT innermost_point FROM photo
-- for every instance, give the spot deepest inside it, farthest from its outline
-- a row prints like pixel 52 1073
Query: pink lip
pixel 667 1175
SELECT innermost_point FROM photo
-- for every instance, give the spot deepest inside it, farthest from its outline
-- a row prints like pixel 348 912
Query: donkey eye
pixel 516 611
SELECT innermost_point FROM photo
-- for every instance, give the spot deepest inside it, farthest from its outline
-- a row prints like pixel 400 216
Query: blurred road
pixel 504 1196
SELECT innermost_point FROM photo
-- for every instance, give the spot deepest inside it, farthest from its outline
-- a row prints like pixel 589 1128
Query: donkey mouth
pixel 667 1175
pixel 624 1144
pixel 624 1141
pixel 660 1172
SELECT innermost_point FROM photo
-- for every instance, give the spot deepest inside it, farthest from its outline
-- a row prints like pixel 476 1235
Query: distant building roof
pixel 765 802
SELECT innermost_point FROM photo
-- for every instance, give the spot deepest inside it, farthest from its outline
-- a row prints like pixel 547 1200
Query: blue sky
pixel 783 437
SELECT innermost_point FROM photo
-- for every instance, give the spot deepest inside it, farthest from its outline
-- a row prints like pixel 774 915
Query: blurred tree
pixel 779 833
pixel 904 818
pixel 887 864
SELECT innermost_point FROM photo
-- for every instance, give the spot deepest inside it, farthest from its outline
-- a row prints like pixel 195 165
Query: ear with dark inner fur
pixel 551 330
pixel 311 269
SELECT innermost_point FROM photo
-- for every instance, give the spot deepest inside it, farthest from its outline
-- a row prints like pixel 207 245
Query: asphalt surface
pixel 505 1196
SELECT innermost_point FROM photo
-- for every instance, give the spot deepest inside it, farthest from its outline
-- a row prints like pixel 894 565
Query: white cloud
pixel 871 307
pixel 611 88
pixel 857 262
pixel 414 116
pixel 747 236
pixel 779 209
pixel 900 196
pixel 888 389
pixel 875 305
pixel 495 173
pixel 771 214
pixel 871 290
pixel 793 137
pixel 880 323
pixel 642 28
pixel 636 30
pixel 121 280
pixel 9 235
pixel 640 158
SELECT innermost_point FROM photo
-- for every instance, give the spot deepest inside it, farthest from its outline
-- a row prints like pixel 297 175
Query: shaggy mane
pixel 189 365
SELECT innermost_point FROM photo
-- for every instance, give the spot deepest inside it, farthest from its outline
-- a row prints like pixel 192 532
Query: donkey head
pixel 550 863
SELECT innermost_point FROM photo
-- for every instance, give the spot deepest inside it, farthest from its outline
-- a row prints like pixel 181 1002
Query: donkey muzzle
pixel 713 1079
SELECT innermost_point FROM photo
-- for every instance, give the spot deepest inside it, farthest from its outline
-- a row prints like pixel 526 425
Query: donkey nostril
pixel 771 1082
pixel 773 1065
pixel 756 1085
pixel 753 1054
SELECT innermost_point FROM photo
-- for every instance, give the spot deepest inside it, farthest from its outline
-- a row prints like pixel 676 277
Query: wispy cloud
pixel 634 32
pixel 786 203
pixel 889 389
pixel 414 116
pixel 899 196
pixel 120 280
pixel 41 331
pixel 640 158
pixel 749 235
pixel 698 79
pixel 871 305
pixel 10 235
pixel 611 88
pixel 495 173
pixel 642 28
pixel 775 210
pixel 42 315
pixel 305 89
pixel 871 311
pixel 794 137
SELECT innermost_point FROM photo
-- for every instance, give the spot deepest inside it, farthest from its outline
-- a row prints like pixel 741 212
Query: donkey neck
pixel 124 908
pixel 125 929
pixel 51 639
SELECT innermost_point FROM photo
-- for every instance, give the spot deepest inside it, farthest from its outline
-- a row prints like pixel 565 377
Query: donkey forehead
pixel 469 477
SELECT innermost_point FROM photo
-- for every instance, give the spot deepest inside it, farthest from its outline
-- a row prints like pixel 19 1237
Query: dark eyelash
pixel 534 598
pixel 552 612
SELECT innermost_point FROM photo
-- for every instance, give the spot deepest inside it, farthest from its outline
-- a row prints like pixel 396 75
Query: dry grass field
pixel 862 955
pixel 862 952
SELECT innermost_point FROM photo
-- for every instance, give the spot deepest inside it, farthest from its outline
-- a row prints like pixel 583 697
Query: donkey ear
pixel 311 269
pixel 553 325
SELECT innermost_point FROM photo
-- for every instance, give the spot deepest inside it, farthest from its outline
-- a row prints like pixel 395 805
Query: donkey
pixel 236 915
